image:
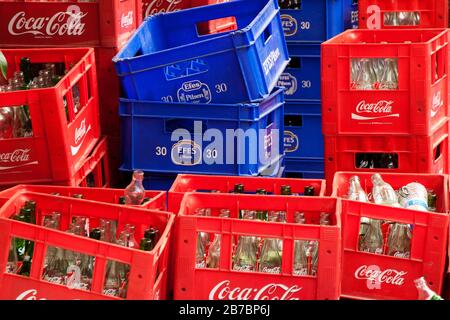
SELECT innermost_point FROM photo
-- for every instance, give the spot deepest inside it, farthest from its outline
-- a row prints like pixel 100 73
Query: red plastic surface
pixel 224 283
pixel 58 148
pixel 416 154
pixel 185 183
pixel 158 198
pixel 109 91
pixel 214 26
pixel 143 280
pixel 391 277
pixel 70 23
pixel 419 106
pixel 433 13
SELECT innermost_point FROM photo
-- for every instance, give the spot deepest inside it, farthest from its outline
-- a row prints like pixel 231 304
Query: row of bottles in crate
pixel 74 269
pixel 254 254
pixel 15 121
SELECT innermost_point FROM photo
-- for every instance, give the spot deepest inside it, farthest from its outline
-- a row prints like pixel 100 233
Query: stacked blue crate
pixel 306 24
pixel 178 84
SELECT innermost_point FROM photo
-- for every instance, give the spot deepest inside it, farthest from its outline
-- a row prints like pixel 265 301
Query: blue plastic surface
pixel 166 60
pixel 319 20
pixel 303 136
pixel 307 168
pixel 147 142
pixel 302 76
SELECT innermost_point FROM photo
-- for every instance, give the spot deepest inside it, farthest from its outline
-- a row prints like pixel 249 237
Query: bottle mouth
pixel 138 175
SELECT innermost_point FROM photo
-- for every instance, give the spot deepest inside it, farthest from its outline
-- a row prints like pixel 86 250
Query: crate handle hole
pixel 436 238
pixel 419 109
pixel 140 276
pixel 329 251
pixel 330 159
pixel 183 289
pixel 329 109
pixel 185 241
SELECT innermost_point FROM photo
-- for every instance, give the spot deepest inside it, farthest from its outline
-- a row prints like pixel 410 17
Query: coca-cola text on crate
pixel 151 7
pixel 48 23
pixel 289 240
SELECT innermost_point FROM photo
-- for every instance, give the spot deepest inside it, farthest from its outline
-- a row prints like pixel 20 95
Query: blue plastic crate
pixel 167 60
pixel 148 143
pixel 302 76
pixel 307 168
pixel 303 136
pixel 319 20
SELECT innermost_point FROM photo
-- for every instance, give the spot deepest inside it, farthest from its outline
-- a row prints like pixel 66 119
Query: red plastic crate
pixel 214 26
pixel 433 13
pixel 225 283
pixel 185 183
pixel 393 278
pixel 419 106
pixel 416 154
pixel 70 23
pixel 148 274
pixel 158 198
pixel 150 7
pixel 58 148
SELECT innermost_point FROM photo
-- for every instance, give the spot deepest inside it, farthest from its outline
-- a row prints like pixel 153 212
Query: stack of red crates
pixel 409 123
pixel 103 24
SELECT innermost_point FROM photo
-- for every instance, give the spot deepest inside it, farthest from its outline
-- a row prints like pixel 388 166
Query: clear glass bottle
pixel 366 78
pixel 399 241
pixel 271 252
pixel 135 192
pixel 373 239
pixel 300 248
pixel 12 263
pixel 383 193
pixel 245 255
pixel 213 258
pixel 389 80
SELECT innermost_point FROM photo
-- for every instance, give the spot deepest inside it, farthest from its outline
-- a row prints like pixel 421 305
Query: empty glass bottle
pixel 213 258
pixel 300 248
pixel 135 192
pixel 245 256
pixel 271 254
pixel 366 78
pixel 372 241
pixel 399 241
pixel 383 193
pixel 389 80
pixel 12 263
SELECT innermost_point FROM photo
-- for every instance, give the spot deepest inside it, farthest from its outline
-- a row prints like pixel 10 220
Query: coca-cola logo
pixel 20 157
pixel 126 20
pixel 436 104
pixel 271 291
pixel 375 276
pixel 383 107
pixel 29 295
pixel 155 6
pixel 80 135
pixel 60 24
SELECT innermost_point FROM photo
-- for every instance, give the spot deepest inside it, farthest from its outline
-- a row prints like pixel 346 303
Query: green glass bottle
pixel 122 200
pixel 309 191
pixel 286 190
pixel 262 215
pixel 146 244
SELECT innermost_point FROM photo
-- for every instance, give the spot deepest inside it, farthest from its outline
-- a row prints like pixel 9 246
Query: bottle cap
pixel 239 188
pixel 122 200
pixel 261 191
pixel 95 234
pixel 286 190
pixel 309 191
pixel 77 196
